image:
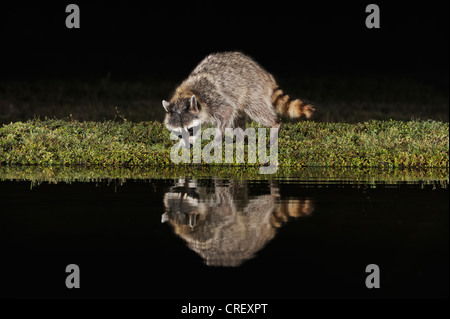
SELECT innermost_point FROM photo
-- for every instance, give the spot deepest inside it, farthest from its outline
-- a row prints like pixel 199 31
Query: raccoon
pixel 223 223
pixel 225 89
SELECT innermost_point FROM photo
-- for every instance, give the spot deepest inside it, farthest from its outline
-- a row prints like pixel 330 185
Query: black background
pixel 153 39
pixel 133 40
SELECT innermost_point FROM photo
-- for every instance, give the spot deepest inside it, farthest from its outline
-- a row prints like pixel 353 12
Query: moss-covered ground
pixel 132 144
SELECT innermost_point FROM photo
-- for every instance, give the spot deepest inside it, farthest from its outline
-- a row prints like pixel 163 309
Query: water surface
pixel 205 236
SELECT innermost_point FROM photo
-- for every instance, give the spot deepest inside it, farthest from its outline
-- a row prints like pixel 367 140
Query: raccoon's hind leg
pixel 240 122
pixel 275 127
pixel 274 134
pixel 266 116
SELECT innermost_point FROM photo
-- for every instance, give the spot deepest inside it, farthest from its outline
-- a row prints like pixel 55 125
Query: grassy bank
pixel 125 143
pixel 309 175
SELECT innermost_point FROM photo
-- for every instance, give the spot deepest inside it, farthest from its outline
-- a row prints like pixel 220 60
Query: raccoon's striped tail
pixel 294 108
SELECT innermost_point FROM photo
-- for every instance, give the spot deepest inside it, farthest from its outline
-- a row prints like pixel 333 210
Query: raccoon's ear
pixel 164 217
pixel 166 105
pixel 194 104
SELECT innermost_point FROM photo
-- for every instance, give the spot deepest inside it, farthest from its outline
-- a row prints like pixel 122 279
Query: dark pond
pixel 213 237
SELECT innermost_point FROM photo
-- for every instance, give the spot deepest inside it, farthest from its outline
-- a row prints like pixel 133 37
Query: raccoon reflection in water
pixel 222 223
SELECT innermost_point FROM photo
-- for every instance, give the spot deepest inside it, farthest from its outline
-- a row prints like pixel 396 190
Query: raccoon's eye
pixel 180 136
pixel 191 130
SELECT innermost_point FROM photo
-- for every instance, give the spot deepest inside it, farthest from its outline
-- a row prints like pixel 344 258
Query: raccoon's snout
pixel 190 140
pixel 192 220
pixel 188 145
pixel 187 136
pixel 190 132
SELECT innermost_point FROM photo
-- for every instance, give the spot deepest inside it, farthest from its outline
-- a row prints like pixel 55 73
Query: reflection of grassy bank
pixel 309 175
pixel 368 144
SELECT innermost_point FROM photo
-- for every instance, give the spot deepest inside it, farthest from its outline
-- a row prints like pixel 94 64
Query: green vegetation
pixel 437 177
pixel 109 127
pixel 123 143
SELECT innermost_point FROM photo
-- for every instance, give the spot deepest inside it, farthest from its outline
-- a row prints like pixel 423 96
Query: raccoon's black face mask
pixel 182 116
pixel 181 204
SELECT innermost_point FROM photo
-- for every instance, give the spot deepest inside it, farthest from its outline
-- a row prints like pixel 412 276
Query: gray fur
pixel 229 87
pixel 225 225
